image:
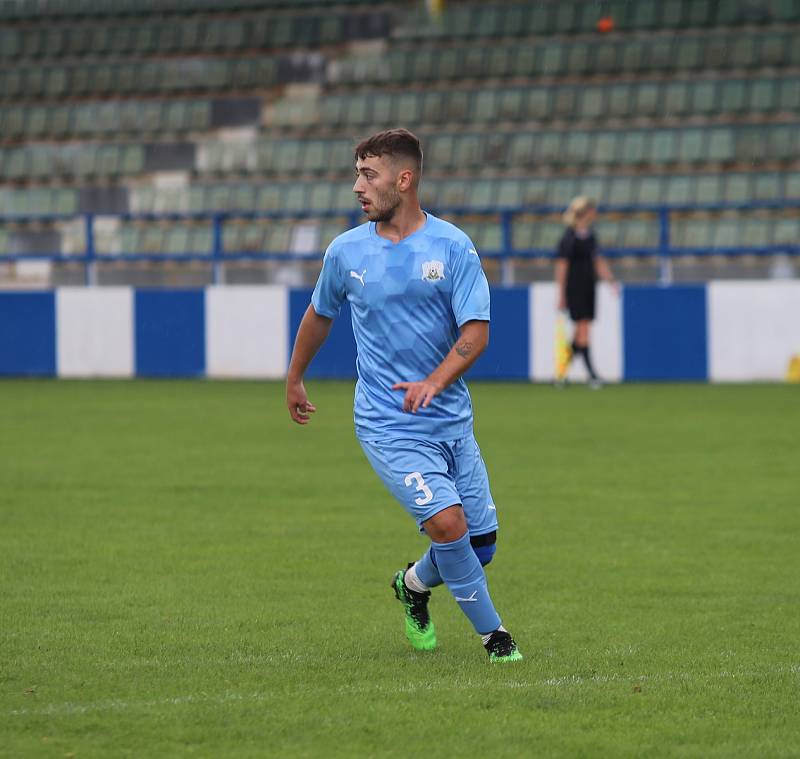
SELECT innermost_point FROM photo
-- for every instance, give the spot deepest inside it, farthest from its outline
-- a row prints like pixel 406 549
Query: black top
pixel 579 253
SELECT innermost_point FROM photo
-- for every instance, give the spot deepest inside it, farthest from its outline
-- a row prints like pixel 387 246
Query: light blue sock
pixel 463 574
pixel 428 572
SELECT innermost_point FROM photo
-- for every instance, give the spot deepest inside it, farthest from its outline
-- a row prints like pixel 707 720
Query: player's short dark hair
pixel 393 142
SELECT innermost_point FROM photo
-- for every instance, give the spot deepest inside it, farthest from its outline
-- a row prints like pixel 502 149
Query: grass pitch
pixel 186 572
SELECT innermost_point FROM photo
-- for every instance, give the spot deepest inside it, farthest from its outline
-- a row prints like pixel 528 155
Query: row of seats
pixel 190 35
pixel 527 149
pixel 160 76
pixel 528 233
pixel 18 9
pixel 209 74
pixel 547 18
pixel 581 57
pixel 321 196
pixel 662 99
pixel 479 193
pixel 112 118
pixel 542 103
pixel 443 152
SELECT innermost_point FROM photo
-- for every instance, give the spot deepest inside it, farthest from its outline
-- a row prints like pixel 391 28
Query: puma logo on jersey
pixel 359 277
pixel 472 250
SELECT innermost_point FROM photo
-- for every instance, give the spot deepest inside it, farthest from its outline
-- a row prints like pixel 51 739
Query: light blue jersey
pixel 407 301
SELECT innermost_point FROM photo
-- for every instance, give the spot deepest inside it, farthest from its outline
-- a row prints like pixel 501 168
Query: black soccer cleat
pixel 501 647
pixel 419 628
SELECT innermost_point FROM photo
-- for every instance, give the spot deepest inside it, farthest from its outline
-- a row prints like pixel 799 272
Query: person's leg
pixel 460 568
pixel 580 345
pixel 472 484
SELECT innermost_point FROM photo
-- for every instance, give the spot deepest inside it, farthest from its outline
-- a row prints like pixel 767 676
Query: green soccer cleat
pixel 419 628
pixel 501 647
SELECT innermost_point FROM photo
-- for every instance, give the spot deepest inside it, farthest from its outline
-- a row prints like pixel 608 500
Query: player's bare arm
pixel 471 343
pixel 561 283
pixel 604 272
pixel 313 331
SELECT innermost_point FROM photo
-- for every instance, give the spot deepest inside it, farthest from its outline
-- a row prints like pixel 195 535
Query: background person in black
pixel 578 267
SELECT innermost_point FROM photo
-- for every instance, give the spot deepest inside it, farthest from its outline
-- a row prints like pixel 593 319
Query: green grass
pixel 185 572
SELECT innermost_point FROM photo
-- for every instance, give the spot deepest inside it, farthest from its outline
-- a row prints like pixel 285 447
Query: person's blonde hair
pixel 577 208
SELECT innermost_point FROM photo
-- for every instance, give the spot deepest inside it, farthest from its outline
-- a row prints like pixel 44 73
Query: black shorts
pixel 581 305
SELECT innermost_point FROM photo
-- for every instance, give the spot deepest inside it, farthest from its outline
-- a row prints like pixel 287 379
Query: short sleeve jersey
pixel 407 301
pixel 579 252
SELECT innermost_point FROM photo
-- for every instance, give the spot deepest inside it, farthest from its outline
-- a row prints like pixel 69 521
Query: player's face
pixel 376 187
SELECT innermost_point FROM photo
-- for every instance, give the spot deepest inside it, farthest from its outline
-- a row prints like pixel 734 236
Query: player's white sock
pixel 485 638
pixel 413 582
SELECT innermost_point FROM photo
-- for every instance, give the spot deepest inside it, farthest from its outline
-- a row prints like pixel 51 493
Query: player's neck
pixel 403 224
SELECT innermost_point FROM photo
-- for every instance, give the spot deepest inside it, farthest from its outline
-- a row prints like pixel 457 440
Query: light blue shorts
pixel 428 476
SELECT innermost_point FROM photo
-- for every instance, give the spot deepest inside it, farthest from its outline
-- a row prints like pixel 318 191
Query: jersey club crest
pixel 433 271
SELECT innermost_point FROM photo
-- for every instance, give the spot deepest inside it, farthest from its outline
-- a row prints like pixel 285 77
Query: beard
pixel 385 207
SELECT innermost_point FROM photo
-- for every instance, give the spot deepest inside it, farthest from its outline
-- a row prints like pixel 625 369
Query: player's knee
pixel 447 525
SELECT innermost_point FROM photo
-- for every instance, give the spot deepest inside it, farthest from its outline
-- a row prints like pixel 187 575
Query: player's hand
pixel 297 401
pixel 417 394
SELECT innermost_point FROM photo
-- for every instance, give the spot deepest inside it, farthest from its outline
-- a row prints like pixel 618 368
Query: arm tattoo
pixel 464 348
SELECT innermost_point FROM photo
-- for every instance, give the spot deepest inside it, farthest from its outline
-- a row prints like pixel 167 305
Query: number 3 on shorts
pixel 427 496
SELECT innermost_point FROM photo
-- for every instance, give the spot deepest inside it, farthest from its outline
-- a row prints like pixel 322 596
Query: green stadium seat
pixel 639 233
pixel 692 146
pixel 648 99
pixel 592 103
pixel 688 54
pixel 522 234
pixel 619 100
pixel 789 97
pixel 537 104
pixel 577 147
pixel 277 237
pixel 725 232
pixel 676 98
pixel 679 190
pixel 202 238
pixel 767 187
pixel 621 191
pixel 664 146
pixel 763 96
pixel 661 54
pixel 534 191
pixel 524 61
pixel 721 145
pixel 509 193
pixel 785 232
pixel 633 55
pixel 521 151
pixel 733 96
pixel 320 196
pixel 736 188
pixel 551 59
pixel 704 98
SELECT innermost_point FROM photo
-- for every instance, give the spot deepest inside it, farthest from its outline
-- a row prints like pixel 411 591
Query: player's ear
pixel 405 179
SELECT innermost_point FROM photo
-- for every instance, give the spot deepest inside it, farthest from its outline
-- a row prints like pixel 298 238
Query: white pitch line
pixel 65 709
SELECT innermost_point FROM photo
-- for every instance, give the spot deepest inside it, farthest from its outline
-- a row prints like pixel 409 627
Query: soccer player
pixel 420 311
pixel 578 267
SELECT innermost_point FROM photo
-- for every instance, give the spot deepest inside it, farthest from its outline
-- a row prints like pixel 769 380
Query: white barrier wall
pixel 247 332
pixel 94 332
pixel 723 331
pixel 753 329
pixel 606 335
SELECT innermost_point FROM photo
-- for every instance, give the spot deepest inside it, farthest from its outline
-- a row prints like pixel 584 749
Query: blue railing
pixel 217 256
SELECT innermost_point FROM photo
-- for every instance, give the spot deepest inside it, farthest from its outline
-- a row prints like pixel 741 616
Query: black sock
pixel 588 361
pixel 583 352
